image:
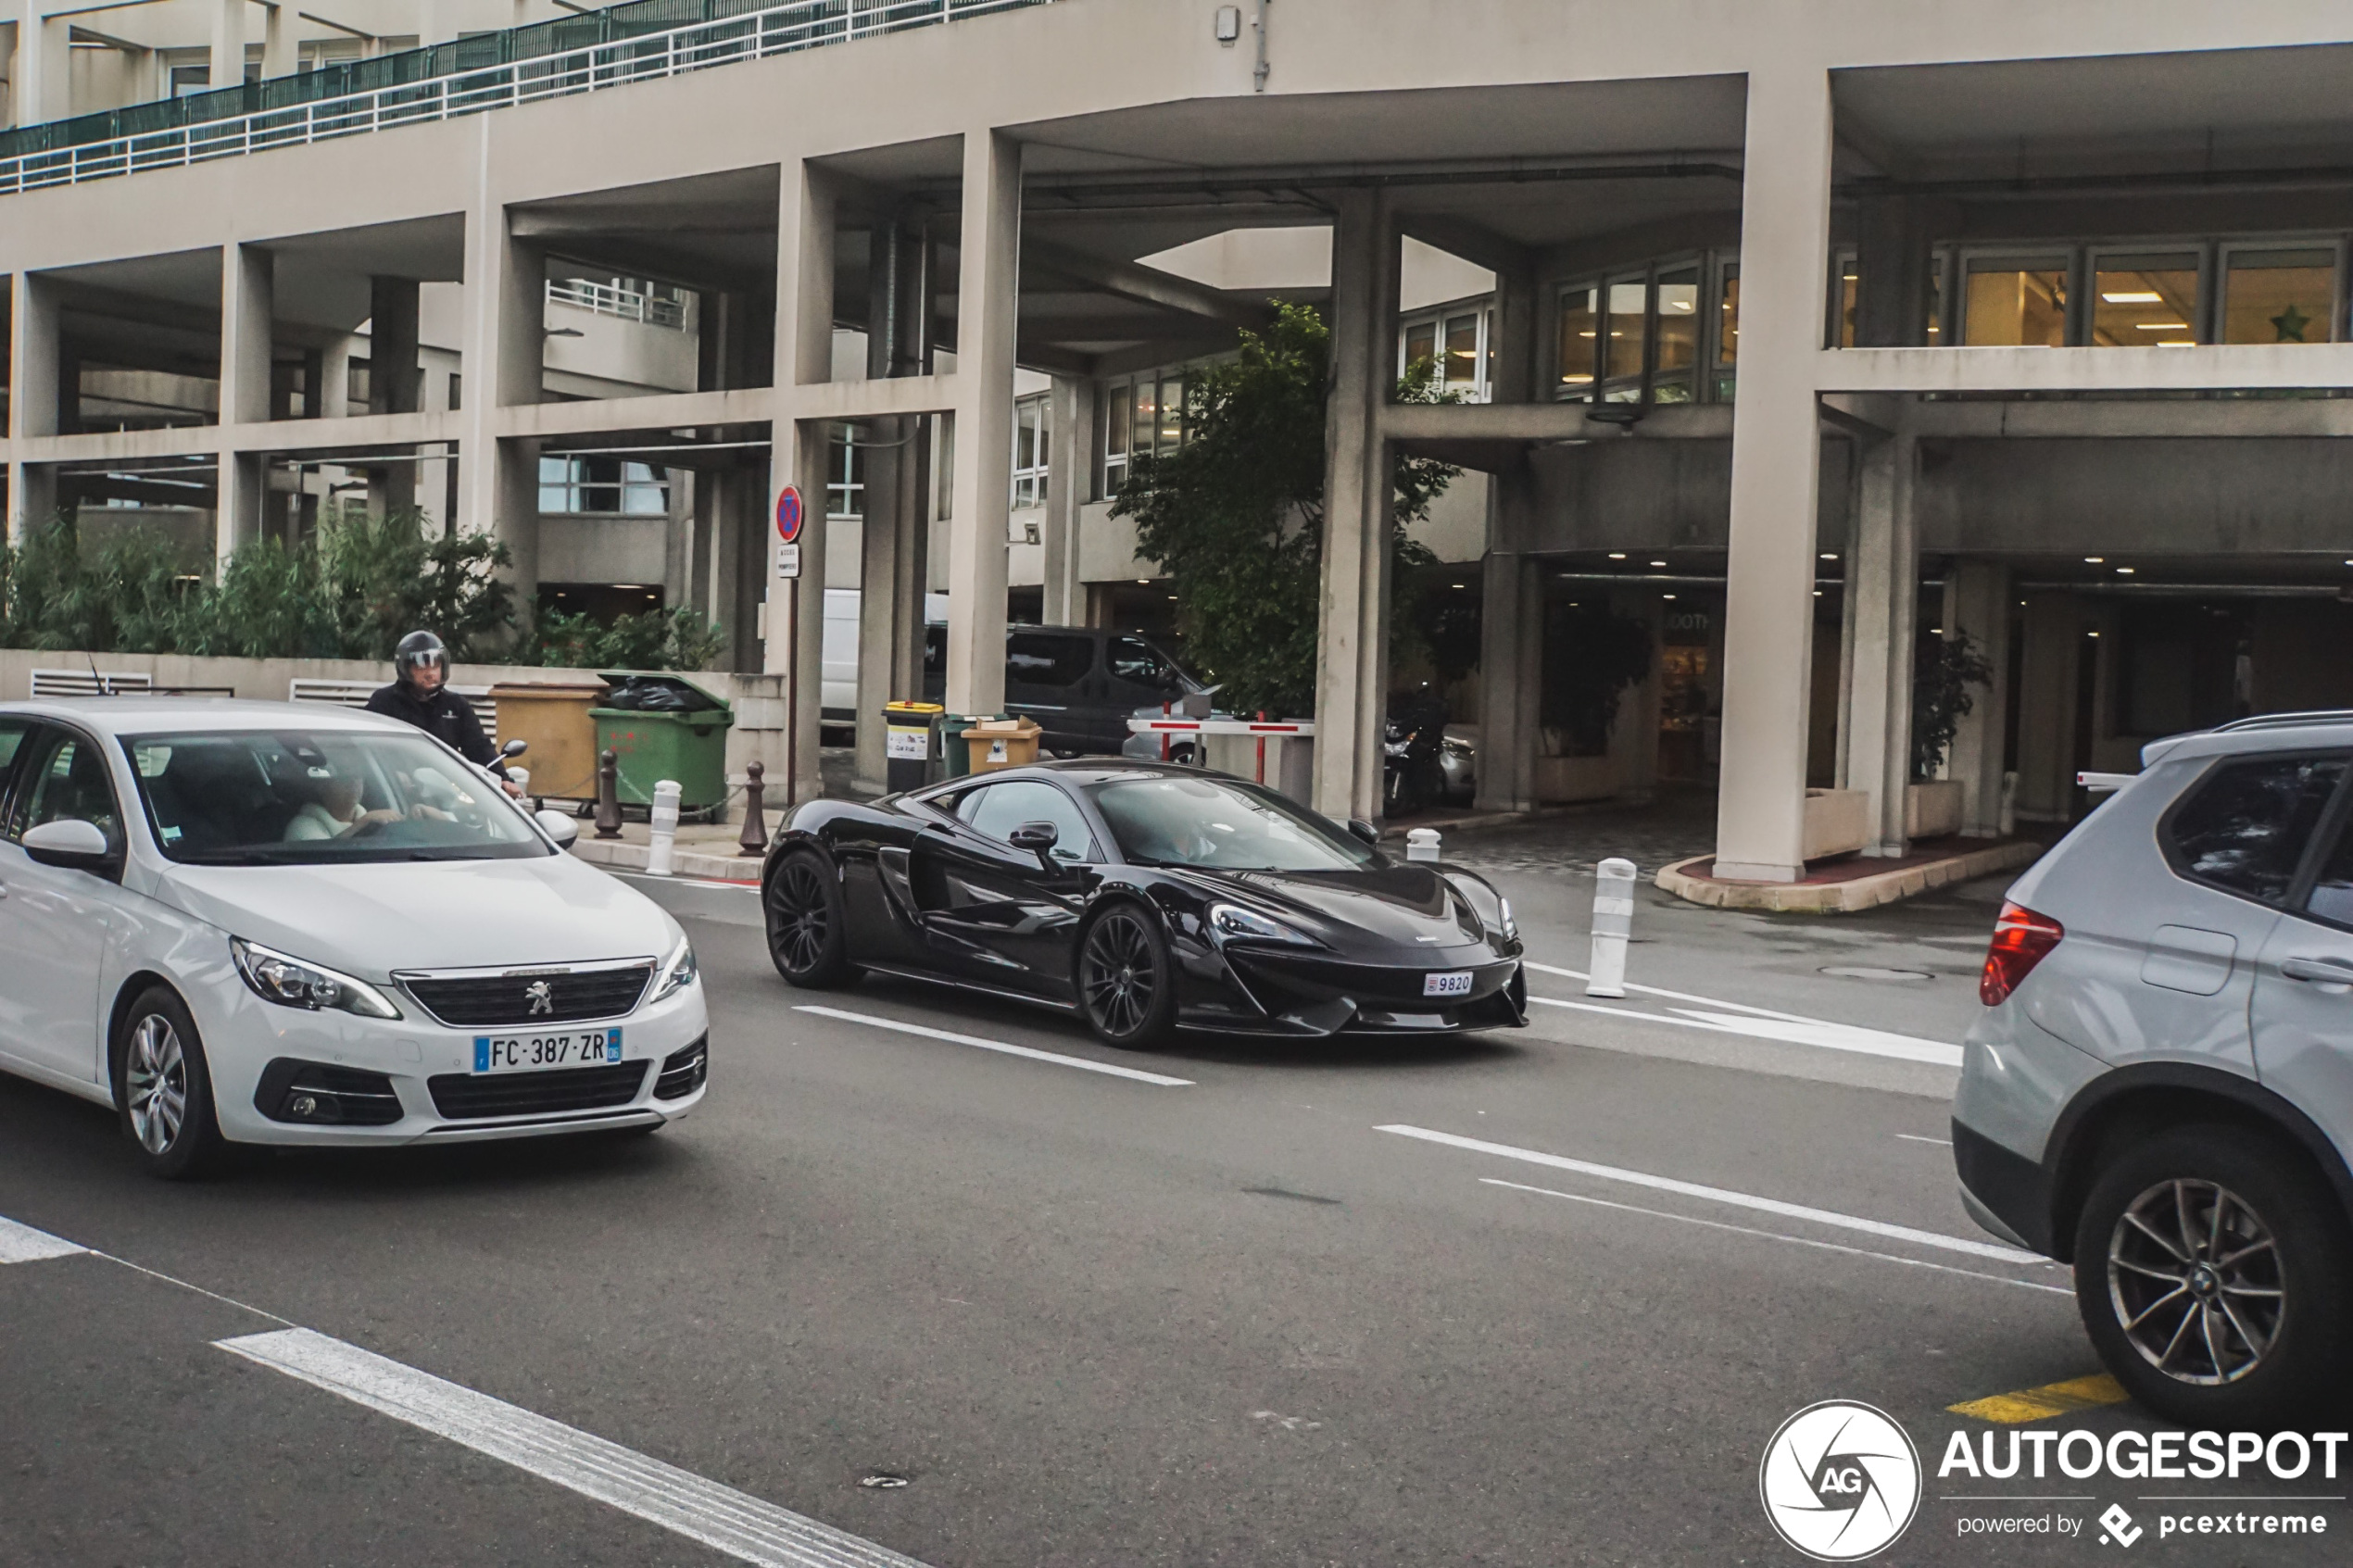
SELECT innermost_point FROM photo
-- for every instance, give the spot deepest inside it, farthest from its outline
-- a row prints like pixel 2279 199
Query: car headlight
pixel 677 973
pixel 1511 926
pixel 1231 922
pixel 291 983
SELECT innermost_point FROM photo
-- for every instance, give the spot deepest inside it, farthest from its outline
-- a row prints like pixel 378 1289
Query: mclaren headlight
pixel 1231 922
pixel 677 971
pixel 291 983
pixel 1511 926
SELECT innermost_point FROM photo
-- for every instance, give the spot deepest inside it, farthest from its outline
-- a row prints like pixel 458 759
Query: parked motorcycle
pixel 1412 749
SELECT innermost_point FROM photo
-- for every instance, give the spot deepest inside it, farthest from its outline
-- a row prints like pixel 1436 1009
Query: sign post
pixel 788 521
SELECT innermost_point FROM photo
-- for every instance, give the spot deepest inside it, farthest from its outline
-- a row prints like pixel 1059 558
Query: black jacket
pixel 443 715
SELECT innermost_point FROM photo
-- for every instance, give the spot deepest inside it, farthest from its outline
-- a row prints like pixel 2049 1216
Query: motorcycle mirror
pixel 514 747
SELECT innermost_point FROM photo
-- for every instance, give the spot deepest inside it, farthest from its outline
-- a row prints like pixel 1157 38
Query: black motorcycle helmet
pixel 418 648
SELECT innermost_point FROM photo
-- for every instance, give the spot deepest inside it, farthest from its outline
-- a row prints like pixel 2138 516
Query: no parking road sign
pixel 788 514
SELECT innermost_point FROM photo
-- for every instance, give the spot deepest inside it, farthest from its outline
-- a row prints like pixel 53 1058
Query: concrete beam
pixel 868 399
pixel 1147 285
pixel 627 416
pixel 2216 366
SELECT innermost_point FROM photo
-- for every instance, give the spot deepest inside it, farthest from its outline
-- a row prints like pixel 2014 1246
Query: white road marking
pixel 1005 1045
pixel 1776 1235
pixel 1764 1024
pixel 1719 1195
pixel 23 1244
pixel 735 1522
pixel 1915 1137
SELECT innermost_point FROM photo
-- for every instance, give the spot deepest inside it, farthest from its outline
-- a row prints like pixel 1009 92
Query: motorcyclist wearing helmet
pixel 421 696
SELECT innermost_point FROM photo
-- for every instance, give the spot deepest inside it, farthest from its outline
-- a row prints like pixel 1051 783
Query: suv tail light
pixel 2020 938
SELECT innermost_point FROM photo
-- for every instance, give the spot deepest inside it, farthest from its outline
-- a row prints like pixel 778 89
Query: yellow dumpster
pixel 552 716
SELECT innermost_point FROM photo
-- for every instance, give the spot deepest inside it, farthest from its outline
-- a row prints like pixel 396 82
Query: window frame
pixel 12 825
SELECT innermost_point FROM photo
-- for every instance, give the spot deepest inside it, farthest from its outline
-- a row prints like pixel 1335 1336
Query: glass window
pixel 2016 303
pixel 1677 335
pixel 603 485
pixel 1145 420
pixel 66 781
pixel 1935 301
pixel 253 797
pixel 2141 300
pixel 1044 659
pixel 1487 369
pixel 1629 329
pixel 1171 414
pixel 2245 827
pixel 1123 414
pixel 1462 354
pixel 1578 341
pixel 1132 659
pixel 2277 295
pixel 1850 279
pixel 12 733
pixel 996 809
pixel 2331 895
pixel 1421 343
pixel 1031 423
pixel 1225 824
pixel 1728 317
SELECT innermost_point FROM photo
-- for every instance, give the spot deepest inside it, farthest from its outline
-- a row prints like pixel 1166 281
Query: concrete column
pixel 987 307
pixel 1892 251
pixel 395 382
pixel 804 335
pixel 334 381
pixel 34 389
pixel 1070 426
pixel 278 52
pixel 1977 597
pixel 1352 657
pixel 227 44
pixel 248 289
pixel 1768 595
pixel 895 542
pixel 1882 593
pixel 41 81
pixel 1510 655
pixel 504 346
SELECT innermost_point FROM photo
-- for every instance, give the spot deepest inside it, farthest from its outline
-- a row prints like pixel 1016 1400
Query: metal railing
pixel 649 56
pixel 586 293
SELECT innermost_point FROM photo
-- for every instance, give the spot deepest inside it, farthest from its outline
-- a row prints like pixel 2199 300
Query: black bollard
pixel 755 834
pixel 608 795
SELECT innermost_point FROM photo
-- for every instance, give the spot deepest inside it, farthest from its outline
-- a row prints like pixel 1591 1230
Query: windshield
pixel 321 797
pixel 1221 825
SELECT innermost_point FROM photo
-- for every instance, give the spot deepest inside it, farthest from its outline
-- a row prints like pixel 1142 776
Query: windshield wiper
pixel 235 858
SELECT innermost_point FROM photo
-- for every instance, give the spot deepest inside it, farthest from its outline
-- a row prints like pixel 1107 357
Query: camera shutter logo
pixel 1840 1480
pixel 541 997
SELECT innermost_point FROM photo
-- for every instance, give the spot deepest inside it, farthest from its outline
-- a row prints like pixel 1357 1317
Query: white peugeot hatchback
pixel 278 923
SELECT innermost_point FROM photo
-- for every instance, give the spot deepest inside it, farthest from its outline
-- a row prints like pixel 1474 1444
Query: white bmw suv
pixel 281 923
pixel 2159 1088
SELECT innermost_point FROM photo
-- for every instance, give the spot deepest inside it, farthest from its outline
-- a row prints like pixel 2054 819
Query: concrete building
pixel 1794 334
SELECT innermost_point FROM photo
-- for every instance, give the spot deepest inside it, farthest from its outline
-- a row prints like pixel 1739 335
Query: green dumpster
pixel 662 727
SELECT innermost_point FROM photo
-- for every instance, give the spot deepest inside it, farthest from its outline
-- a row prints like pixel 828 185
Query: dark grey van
pixel 1080 684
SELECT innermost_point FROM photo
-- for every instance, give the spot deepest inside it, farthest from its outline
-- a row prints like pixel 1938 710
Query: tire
pixel 807 921
pixel 2274 1310
pixel 1126 979
pixel 163 1089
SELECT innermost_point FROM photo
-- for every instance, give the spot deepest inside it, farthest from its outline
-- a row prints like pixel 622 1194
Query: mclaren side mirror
pixel 558 825
pixel 71 842
pixel 1365 831
pixel 1036 837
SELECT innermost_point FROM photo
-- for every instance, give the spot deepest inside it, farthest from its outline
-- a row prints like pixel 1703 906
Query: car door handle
pixel 2324 971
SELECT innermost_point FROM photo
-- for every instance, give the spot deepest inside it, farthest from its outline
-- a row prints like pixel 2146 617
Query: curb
pixel 623 856
pixel 1686 882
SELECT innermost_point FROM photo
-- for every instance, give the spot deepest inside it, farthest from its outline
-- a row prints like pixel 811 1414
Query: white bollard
pixel 522 777
pixel 1421 844
pixel 660 858
pixel 1613 923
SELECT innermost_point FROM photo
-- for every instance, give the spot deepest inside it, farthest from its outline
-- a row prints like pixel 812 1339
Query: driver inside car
pixel 334 810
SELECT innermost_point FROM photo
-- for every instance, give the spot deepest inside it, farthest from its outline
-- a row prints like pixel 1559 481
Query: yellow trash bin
pixel 552 716
pixel 1002 743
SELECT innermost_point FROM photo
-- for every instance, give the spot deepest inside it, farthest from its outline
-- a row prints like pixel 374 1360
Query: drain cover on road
pixel 1868 971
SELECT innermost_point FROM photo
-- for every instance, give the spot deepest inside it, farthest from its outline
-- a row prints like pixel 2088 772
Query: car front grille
pixel 531 996
pixel 471 1096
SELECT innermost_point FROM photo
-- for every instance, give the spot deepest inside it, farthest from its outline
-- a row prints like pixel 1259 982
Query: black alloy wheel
pixel 1127 981
pixel 2211 1268
pixel 808 939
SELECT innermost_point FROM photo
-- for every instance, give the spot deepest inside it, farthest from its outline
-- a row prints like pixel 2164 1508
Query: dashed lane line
pixel 23 1244
pixel 1776 1235
pixel 743 1526
pixel 1719 1195
pixel 1006 1046
pixel 1764 1024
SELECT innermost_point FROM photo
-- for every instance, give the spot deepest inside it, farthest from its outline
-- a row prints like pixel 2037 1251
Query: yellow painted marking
pixel 2039 1404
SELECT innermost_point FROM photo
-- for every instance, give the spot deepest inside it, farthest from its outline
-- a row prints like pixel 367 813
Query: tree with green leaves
pixel 1235 517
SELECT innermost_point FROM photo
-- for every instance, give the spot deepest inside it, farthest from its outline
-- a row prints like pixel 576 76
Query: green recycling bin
pixel 659 727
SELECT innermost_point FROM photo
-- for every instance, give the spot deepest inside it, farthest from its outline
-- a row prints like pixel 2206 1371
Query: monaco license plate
pixel 536 1053
pixel 1452 983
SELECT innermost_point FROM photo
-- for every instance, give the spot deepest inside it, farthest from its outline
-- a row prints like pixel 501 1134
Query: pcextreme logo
pixel 1840 1480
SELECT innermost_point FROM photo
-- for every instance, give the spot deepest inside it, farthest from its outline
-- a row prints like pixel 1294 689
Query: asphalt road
pixel 1538 1298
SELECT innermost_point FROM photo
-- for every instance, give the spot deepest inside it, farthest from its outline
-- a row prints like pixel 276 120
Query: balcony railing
pixel 585 294
pixel 611 48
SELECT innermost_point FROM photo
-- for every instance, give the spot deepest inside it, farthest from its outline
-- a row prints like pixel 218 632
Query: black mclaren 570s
pixel 1146 898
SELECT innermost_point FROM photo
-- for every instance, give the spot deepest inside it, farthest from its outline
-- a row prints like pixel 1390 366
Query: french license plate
pixel 537 1053
pixel 1452 983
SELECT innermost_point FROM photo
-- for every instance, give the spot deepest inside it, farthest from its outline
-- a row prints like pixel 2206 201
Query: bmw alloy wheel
pixel 2193 1274
pixel 156 1074
pixel 1117 973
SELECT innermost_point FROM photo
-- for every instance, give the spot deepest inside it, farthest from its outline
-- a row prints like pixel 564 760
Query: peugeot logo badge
pixel 541 997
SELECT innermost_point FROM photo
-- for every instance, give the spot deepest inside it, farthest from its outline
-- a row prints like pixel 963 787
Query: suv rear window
pixel 2246 826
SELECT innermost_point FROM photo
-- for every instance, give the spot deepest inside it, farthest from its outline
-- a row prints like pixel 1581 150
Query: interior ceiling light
pixel 1145 581
pixel 1658 563
pixel 2135 296
pixel 1621 554
pixel 1830 555
pixel 2094 560
pixel 2160 326
pixel 1665 596
pixel 2124 572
